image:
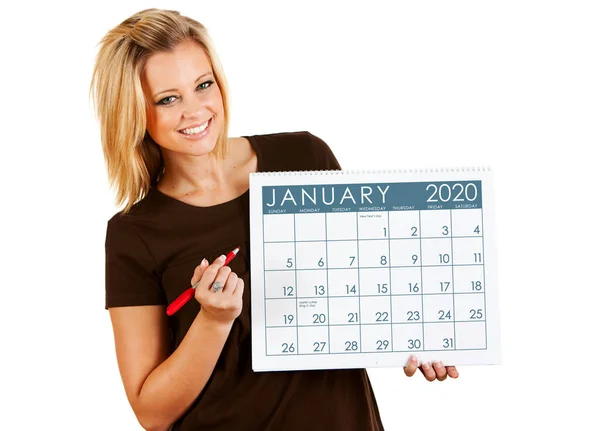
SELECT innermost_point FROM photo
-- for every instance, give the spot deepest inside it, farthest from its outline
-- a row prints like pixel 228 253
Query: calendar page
pixel 363 269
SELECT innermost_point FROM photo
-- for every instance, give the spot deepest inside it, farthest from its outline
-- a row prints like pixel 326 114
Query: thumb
pixel 198 271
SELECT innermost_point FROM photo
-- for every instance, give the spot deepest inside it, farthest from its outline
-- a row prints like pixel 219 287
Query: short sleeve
pixel 324 158
pixel 130 272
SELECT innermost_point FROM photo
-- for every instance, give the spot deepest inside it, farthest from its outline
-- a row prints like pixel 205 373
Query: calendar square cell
pixel 407 309
pixel 407 337
pixel 375 310
pixel 405 252
pixel 435 224
pixel 311 283
pixel 373 225
pixel 279 255
pixel 404 224
pixel 437 279
pixel 281 312
pixel 469 279
pixel 280 284
pixel 470 307
pixel 439 336
pixel 341 226
pixel 470 335
pixel 374 281
pixel 342 254
pixel 311 255
pixel 467 222
pixel 374 254
pixel 376 338
pixel 468 251
pixel 406 281
pixel 278 227
pixel 313 311
pixel 438 308
pixel 343 282
pixel 344 339
pixel 310 227
pixel 313 341
pixel 344 311
pixel 436 251
pixel 282 341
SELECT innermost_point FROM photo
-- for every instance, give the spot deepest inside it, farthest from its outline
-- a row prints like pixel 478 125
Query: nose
pixel 193 107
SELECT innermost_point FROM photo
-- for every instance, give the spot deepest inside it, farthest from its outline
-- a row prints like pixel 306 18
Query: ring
pixel 216 286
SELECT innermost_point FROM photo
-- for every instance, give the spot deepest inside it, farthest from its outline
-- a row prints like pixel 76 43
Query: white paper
pixel 363 269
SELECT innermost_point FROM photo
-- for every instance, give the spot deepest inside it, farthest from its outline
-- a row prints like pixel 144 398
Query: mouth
pixel 196 130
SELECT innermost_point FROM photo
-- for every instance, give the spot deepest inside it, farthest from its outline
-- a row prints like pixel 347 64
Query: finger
pixel 210 274
pixel 428 371
pixel 230 283
pixel 452 372
pixel 440 370
pixel 412 366
pixel 239 288
pixel 198 271
pixel 221 277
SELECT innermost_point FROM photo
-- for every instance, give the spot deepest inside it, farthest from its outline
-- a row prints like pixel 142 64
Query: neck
pixel 192 175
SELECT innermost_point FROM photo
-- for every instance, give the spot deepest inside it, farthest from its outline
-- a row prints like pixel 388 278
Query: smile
pixel 192 131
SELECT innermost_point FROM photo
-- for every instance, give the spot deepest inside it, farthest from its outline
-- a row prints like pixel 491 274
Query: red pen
pixel 189 293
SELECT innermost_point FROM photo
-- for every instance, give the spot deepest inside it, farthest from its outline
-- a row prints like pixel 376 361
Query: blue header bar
pixel 371 197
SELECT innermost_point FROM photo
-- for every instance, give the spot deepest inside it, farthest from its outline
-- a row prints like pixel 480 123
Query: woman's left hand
pixel 431 371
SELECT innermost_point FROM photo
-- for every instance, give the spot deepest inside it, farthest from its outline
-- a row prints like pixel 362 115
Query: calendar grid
pixel 327 280
pixel 390 284
pixel 483 278
pixel 364 324
pixel 452 269
pixel 264 284
pixel 388 352
pixel 365 237
pixel 375 267
pixel 358 285
pixel 422 286
pixel 296 289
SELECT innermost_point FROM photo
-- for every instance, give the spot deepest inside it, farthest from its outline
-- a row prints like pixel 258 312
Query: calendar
pixel 364 269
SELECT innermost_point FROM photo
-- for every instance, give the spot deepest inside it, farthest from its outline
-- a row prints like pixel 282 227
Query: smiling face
pixel 185 107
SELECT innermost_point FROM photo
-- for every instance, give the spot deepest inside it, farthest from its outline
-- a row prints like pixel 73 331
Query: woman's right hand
pixel 225 305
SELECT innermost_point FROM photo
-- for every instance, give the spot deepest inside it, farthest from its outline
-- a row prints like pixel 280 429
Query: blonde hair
pixel 133 160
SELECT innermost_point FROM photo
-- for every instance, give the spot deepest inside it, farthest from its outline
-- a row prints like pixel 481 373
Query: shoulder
pixel 287 140
pixel 128 231
pixel 293 151
pixel 121 232
pixel 132 276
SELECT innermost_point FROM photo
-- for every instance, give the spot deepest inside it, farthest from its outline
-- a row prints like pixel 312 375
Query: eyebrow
pixel 174 89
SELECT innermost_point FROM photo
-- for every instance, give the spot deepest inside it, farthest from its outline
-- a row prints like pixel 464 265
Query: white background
pixel 510 84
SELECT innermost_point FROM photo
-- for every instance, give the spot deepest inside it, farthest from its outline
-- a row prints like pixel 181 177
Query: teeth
pixel 195 130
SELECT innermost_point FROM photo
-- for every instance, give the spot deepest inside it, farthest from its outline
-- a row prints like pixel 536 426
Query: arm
pixel 159 387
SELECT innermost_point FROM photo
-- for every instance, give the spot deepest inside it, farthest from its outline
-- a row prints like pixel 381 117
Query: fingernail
pixel 204 262
pixel 426 366
pixel 438 365
pixel 413 358
pixel 222 258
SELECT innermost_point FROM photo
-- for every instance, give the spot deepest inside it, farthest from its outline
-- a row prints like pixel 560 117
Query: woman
pixel 161 97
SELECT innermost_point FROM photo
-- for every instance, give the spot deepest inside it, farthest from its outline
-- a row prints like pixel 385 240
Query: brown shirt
pixel 151 254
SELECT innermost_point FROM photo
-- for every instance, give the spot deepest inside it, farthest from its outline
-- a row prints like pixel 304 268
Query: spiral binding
pixel 375 171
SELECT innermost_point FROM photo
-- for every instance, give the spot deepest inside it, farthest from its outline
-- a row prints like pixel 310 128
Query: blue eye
pixel 168 100
pixel 165 101
pixel 205 85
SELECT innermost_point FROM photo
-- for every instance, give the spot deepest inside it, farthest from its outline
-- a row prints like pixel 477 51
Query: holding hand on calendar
pixel 431 371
